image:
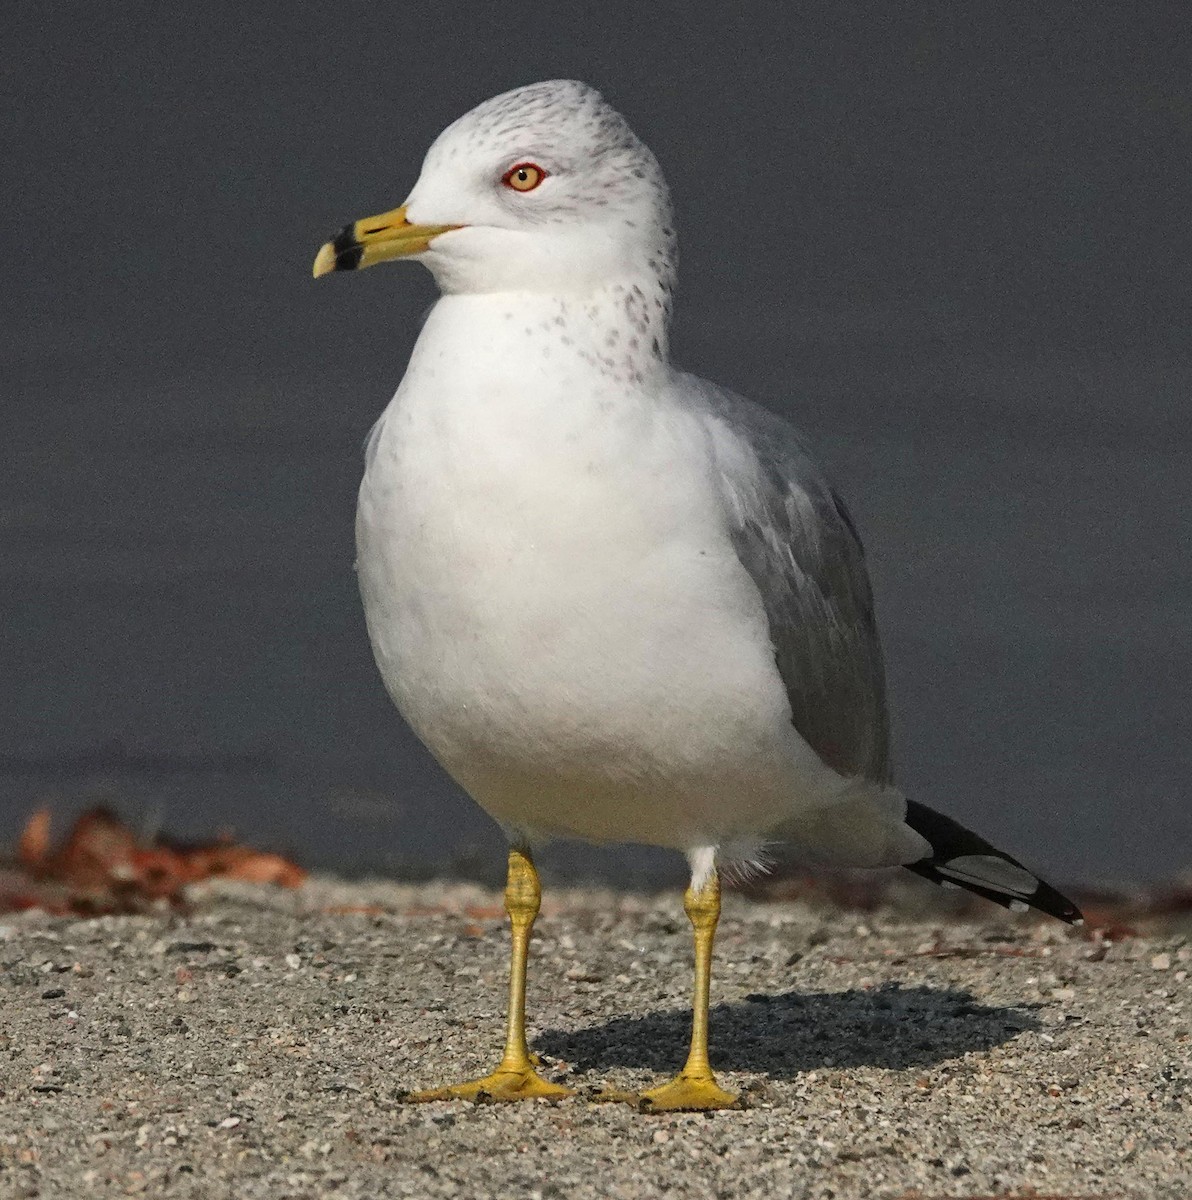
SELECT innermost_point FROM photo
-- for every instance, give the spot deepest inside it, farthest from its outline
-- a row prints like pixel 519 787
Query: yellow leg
pixel 695 1086
pixel 515 1077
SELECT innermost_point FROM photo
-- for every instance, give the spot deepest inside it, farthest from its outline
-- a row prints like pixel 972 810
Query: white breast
pixel 553 600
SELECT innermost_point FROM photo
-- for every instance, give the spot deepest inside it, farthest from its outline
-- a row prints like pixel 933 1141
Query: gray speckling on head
pixel 593 233
pixel 568 127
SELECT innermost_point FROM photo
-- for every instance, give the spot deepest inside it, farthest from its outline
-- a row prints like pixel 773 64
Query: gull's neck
pixel 619 329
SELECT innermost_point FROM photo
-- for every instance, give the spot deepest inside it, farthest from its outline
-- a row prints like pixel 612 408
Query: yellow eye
pixel 524 177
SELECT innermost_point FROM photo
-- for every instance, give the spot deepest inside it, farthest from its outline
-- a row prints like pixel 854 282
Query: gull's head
pixel 545 188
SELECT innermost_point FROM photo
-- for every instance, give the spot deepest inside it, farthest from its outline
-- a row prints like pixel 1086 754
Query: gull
pixel 615 601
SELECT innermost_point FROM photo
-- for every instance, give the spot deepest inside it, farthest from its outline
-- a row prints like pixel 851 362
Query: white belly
pixel 556 609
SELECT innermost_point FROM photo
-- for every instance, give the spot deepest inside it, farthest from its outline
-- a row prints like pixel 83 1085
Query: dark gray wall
pixel 950 240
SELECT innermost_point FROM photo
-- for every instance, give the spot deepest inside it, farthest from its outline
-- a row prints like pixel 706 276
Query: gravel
pixel 258 1046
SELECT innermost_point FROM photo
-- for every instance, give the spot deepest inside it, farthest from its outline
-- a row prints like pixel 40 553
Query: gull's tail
pixel 960 858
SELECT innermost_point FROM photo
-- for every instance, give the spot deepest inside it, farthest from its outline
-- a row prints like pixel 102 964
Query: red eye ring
pixel 523 176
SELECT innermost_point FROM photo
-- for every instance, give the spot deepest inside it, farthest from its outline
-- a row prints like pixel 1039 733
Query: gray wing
pixel 796 539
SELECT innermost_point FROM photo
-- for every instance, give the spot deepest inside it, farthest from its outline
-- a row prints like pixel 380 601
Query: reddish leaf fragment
pixel 103 867
pixel 35 840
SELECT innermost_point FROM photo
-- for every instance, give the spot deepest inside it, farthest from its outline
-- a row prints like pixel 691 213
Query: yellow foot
pixel 502 1085
pixel 687 1093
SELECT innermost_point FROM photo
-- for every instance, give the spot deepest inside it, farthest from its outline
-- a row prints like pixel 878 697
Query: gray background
pixel 950 240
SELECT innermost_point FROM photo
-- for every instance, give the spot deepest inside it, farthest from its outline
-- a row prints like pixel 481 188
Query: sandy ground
pixel 259 1045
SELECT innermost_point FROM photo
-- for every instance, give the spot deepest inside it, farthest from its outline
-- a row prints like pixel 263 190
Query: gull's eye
pixel 524 177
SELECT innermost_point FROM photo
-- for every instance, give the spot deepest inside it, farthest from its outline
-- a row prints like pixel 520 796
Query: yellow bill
pixel 374 240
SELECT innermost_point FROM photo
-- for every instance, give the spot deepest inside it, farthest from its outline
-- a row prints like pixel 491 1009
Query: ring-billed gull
pixel 615 601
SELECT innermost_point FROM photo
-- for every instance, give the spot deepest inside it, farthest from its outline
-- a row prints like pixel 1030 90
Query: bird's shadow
pixel 788 1033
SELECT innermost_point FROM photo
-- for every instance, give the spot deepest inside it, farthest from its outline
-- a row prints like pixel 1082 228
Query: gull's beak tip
pixel 324 260
pixel 373 240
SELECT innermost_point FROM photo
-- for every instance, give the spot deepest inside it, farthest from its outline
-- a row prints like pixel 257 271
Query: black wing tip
pixel 1055 904
pixel 949 840
pixel 1045 898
